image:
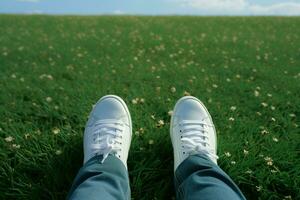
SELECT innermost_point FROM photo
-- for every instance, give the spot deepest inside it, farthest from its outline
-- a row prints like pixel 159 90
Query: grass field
pixel 53 69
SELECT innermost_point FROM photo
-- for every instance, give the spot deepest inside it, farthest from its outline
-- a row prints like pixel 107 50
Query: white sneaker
pixel 108 130
pixel 192 131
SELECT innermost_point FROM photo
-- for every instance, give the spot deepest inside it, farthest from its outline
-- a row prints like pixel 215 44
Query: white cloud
pixel 216 5
pixel 29 1
pixel 118 12
pixel 276 9
pixel 34 12
pixel 240 7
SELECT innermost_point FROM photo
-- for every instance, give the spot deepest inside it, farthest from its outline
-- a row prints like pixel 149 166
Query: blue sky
pixel 152 7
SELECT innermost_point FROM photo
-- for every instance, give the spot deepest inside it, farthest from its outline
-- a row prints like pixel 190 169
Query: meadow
pixel 53 69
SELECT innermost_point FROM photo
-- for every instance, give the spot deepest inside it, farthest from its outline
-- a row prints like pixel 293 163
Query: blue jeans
pixel 196 178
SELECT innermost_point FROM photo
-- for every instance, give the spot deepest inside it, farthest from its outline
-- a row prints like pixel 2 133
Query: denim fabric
pixel 99 181
pixel 198 177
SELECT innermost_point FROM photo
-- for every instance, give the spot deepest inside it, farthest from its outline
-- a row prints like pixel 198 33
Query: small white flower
pixel 58 152
pixel 48 99
pixel 258 188
pixel 173 89
pixel 141 130
pixel 9 139
pixel 273 119
pixel 264 104
pixel 134 101
pixel 231 119
pixel 258 113
pixel 16 146
pixel 55 131
pixel 263 132
pixel 270 163
pixel 186 93
pixel 288 197
pixel 26 135
pixel 269 160
pixel 233 108
pixel 272 107
pixel 227 154
pixel 50 77
pixel 151 142
pixel 160 123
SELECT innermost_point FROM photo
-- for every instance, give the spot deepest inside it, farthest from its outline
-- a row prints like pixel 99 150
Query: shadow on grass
pixel 150 172
pixel 62 170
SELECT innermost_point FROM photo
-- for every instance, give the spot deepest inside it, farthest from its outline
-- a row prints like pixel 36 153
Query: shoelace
pixel 107 135
pixel 194 137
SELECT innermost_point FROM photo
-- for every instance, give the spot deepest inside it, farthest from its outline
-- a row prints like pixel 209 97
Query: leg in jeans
pixel 198 177
pixel 106 143
pixel 193 135
pixel 101 181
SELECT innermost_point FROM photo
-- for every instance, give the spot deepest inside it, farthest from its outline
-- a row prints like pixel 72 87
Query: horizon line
pixel 142 15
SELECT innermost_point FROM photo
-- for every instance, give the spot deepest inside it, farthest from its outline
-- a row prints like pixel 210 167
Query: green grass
pixel 53 69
